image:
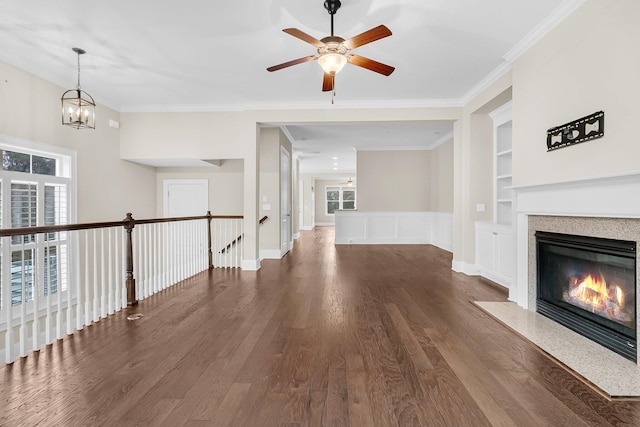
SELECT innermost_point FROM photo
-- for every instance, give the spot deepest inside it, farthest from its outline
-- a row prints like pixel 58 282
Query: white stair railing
pixel 58 279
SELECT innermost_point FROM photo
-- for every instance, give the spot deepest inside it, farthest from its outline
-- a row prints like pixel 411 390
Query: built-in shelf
pixel 494 240
pixel 503 164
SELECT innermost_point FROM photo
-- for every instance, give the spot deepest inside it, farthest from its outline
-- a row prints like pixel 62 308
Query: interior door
pixel 185 197
pixel 285 201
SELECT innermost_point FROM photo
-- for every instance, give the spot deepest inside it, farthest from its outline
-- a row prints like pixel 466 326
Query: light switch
pixel 480 207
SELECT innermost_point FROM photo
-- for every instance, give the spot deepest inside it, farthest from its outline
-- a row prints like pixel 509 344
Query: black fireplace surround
pixel 588 284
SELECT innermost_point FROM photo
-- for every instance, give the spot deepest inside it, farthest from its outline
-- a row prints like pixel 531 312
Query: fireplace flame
pixel 594 292
pixel 619 296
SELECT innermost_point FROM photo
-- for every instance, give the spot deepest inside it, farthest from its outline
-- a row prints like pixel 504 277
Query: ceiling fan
pixel 348 182
pixel 333 51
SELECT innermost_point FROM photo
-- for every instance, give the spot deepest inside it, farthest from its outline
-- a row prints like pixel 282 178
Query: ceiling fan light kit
pixel 333 51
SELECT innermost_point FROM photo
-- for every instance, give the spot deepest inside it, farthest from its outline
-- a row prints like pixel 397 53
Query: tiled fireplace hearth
pixel 608 208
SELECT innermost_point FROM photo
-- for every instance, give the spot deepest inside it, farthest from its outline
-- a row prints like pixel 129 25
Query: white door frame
pixel 285 201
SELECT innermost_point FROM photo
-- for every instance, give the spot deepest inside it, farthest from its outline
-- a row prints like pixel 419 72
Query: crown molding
pixel 181 108
pixel 392 148
pixel 442 140
pixel 485 83
pixel 560 13
pixel 287 134
pixel 374 104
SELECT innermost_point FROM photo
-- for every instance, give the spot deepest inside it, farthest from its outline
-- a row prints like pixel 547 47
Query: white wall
pixel 108 187
pixel 225 186
pixel 398 181
pixel 441 178
pixel 588 63
pixel 472 170
pixel 271 141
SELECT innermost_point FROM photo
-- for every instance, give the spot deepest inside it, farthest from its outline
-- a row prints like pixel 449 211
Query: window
pixel 340 198
pixel 34 190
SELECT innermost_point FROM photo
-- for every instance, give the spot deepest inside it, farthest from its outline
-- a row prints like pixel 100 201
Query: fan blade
pixel 290 63
pixel 303 36
pixel 372 35
pixel 327 82
pixel 370 64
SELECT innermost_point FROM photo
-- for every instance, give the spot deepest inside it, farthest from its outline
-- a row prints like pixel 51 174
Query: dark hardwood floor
pixel 336 336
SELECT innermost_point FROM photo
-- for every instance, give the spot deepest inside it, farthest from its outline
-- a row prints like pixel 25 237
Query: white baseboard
pixel 296 236
pixel 269 254
pixel 325 224
pixel 306 228
pixel 463 267
pixel 251 264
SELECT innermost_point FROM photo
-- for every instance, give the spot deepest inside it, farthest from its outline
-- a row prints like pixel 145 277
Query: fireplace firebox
pixel 588 284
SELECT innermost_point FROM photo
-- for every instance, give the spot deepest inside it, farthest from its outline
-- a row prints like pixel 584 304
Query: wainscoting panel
pixel 358 228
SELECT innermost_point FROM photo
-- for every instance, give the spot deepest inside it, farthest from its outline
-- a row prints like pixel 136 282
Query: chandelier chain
pixel 78 85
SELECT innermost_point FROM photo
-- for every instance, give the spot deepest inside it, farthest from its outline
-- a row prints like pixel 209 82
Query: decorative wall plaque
pixel 577 131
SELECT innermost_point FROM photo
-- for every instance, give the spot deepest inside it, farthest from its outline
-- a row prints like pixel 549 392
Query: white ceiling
pixel 150 55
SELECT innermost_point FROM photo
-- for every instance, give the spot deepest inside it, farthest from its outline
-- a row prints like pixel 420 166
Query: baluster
pixel 216 242
pixel 117 270
pixel 23 306
pixel 143 279
pixel 111 307
pixel 7 306
pixel 36 270
pixel 225 242
pixel 122 273
pixel 220 242
pixel 148 256
pixel 63 242
pixel 193 247
pixel 59 329
pixel 165 255
pixel 181 256
pixel 210 254
pixel 96 300
pixel 238 233
pixel 174 253
pixel 103 277
pixel 87 282
pixel 154 259
pixel 79 313
pixel 48 326
pixel 237 249
pixel 72 277
pixel 138 247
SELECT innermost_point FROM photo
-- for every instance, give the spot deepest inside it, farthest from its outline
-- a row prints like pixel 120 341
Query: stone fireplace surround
pixel 602 207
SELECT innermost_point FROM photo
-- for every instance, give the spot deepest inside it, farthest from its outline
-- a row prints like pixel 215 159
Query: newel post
pixel 130 281
pixel 209 238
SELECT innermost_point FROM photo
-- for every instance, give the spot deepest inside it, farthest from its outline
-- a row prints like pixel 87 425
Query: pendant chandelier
pixel 78 107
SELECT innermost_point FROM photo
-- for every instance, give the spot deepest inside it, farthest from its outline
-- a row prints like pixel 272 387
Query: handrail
pixel 237 239
pixel 129 224
pixel 19 231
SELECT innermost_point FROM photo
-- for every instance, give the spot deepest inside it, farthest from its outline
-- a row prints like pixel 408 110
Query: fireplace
pixel 588 284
